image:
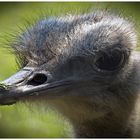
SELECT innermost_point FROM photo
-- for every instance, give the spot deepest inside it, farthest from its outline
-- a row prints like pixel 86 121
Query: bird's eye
pixel 110 61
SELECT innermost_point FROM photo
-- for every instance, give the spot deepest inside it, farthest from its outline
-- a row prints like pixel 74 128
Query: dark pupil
pixel 109 62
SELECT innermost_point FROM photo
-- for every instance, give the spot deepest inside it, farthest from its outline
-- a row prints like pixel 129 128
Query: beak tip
pixel 3 88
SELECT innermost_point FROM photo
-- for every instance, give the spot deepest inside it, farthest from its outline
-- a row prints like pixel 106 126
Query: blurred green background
pixel 33 119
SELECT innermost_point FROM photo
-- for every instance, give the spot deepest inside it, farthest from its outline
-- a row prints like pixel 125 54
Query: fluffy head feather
pixel 74 35
pixel 95 48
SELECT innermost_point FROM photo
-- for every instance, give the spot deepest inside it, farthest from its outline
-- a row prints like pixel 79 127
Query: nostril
pixel 38 79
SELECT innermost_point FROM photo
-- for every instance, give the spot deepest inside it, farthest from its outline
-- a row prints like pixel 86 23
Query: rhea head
pixel 80 59
pixel 74 55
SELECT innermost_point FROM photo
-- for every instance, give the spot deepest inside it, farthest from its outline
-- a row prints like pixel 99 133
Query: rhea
pixel 84 65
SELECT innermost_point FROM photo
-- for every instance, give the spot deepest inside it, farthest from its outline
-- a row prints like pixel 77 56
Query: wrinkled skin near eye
pixel 110 61
pixel 74 66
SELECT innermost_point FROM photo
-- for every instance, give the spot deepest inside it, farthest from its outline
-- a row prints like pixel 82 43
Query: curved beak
pixel 17 87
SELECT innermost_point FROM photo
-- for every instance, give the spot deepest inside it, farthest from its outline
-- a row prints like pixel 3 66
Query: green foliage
pixel 31 119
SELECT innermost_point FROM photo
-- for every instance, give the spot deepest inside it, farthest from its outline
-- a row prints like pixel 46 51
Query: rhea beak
pixel 21 85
